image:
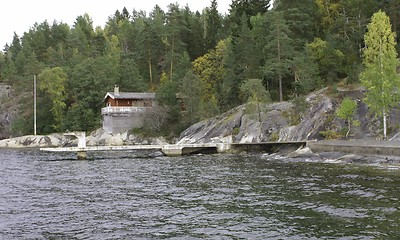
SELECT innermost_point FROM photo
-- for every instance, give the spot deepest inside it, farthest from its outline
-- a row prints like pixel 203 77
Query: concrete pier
pixel 168 150
pixel 173 149
pixel 81 136
pixel 183 149
pixel 269 147
pixel 361 147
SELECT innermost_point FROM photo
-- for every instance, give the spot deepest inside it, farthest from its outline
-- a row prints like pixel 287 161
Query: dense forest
pixel 198 60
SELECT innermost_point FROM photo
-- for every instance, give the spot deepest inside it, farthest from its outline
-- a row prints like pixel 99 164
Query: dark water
pixel 120 196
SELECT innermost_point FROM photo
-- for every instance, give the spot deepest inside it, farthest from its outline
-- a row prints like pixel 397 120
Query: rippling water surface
pixel 122 196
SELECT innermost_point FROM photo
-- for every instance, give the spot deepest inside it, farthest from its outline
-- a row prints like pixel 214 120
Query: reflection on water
pixel 123 196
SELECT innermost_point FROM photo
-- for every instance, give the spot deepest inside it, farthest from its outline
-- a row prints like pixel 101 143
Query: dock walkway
pixel 182 149
pixel 359 146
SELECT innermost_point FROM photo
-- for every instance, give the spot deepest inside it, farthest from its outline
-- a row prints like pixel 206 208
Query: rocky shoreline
pixel 284 121
pixel 101 138
pixel 306 154
pixel 96 138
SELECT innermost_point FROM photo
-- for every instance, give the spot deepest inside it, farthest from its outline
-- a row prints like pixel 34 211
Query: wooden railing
pixel 111 110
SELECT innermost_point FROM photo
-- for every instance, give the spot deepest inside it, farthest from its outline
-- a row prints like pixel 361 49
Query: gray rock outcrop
pixel 52 140
pixel 103 138
pixel 96 138
pixel 284 121
pixel 272 123
pixel 313 120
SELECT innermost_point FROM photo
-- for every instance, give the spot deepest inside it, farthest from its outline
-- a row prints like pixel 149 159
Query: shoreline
pixel 358 148
pixel 362 147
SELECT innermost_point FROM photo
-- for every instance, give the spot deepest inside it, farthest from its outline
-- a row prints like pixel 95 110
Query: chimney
pixel 116 90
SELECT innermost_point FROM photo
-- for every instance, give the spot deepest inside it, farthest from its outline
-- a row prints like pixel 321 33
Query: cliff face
pixel 270 122
pixel 8 110
pixel 285 121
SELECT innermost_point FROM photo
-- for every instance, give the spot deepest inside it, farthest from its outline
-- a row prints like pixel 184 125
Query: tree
pixel 130 79
pixel 241 61
pixel 305 72
pixel 52 81
pixel 301 18
pixel 279 50
pixel 177 27
pixel 255 92
pixel 346 111
pixel 380 61
pixel 209 69
pixel 330 61
pixel 14 48
pixel 191 90
pixel 329 11
pixel 247 8
pixel 213 24
pixel 196 42
pixel 166 97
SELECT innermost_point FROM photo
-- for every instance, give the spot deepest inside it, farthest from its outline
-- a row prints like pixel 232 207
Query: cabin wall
pixel 119 122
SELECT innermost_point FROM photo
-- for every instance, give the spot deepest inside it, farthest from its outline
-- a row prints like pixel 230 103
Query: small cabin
pixel 126 110
pixel 129 99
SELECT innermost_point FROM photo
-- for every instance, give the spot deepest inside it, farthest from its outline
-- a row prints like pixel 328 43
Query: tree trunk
pixel 348 131
pixel 172 53
pixel 280 62
pixel 280 76
pixel 150 72
pixel 384 125
pixel 280 89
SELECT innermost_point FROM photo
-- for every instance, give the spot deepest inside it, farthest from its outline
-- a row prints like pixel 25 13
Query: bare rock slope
pixel 286 121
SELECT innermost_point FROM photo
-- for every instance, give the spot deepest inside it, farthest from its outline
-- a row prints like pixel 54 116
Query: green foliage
pixel 254 91
pixel 305 71
pixel 22 126
pixel 331 134
pixel 191 92
pixel 236 131
pixel 274 137
pixel 167 97
pixel 279 50
pixel 293 48
pixel 52 82
pixel 209 69
pixel 380 60
pixel 240 8
pixel 80 117
pixel 300 104
pixel 330 61
pixel 346 111
pixel 214 24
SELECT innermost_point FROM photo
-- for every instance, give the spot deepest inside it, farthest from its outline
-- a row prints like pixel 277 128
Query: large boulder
pixel 101 137
pixel 31 141
pixel 245 124
pixel 313 120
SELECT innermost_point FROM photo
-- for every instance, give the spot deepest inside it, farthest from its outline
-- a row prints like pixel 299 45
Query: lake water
pixel 126 196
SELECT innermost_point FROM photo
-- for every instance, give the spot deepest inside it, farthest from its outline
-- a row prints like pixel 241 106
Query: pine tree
pixel 213 24
pixel 279 50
